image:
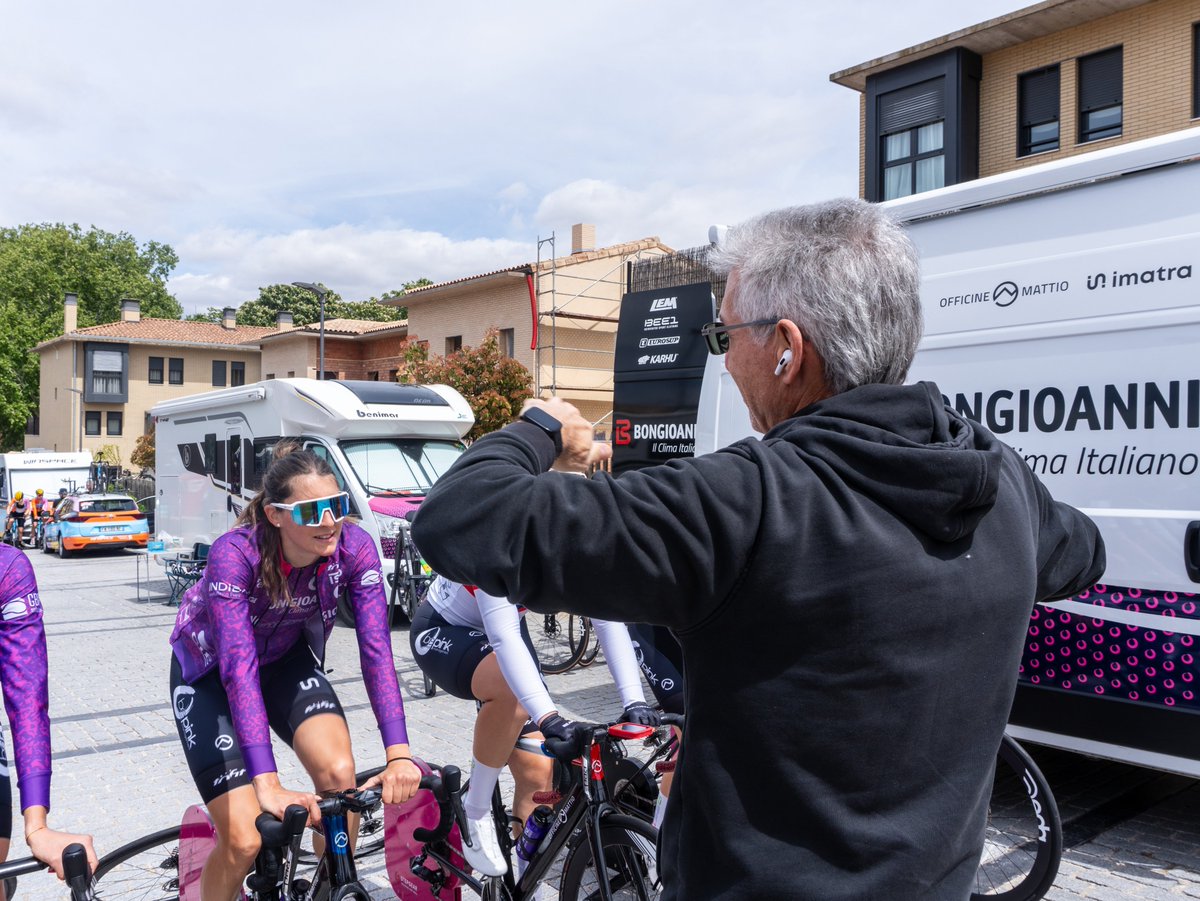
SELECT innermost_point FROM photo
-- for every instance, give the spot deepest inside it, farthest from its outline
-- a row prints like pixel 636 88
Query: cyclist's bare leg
pixel 323 745
pixel 531 773
pixel 497 726
pixel 233 815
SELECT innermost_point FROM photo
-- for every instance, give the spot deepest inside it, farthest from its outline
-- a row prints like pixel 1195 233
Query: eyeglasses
pixel 312 513
pixel 716 333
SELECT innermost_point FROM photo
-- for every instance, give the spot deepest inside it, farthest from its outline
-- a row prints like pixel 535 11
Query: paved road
pixel 119 773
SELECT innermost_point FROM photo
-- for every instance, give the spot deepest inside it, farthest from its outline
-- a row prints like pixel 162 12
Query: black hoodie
pixel 851 594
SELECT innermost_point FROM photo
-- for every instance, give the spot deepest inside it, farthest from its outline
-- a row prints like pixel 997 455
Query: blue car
pixel 87 521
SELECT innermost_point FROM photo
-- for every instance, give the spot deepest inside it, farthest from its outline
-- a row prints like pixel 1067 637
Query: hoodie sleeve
pixel 648 547
pixel 1070 551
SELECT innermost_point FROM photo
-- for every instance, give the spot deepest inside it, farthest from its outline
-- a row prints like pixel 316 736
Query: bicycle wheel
pixel 630 863
pixel 1023 844
pixel 146 869
pixel 551 633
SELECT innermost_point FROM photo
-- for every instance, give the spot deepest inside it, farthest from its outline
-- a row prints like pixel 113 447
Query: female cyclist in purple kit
pixel 23 677
pixel 248 647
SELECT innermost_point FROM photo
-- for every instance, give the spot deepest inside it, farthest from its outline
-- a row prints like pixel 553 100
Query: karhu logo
pixel 662 303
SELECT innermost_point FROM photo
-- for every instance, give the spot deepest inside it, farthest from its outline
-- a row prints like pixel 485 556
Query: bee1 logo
pixel 663 303
pixel 660 323
pixel 224 742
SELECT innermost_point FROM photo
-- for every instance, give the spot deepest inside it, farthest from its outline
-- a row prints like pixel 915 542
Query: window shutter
pixel 915 105
pixel 106 361
pixel 1039 96
pixel 1100 78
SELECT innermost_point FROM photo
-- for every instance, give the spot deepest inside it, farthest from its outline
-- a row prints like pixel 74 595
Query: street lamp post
pixel 320 291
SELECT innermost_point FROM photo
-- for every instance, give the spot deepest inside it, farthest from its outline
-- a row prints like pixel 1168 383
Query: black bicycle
pixel 75 872
pixel 586 825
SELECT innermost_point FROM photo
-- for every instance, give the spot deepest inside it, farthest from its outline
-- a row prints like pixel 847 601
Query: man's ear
pixel 789 345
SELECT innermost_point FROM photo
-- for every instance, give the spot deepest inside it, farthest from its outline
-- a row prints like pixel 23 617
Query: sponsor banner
pixel 658 372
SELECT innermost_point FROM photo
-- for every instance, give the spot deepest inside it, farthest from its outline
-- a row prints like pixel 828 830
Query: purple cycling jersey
pixel 228 621
pixel 23 675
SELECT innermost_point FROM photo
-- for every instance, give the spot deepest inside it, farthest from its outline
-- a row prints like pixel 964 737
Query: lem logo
pixel 1004 294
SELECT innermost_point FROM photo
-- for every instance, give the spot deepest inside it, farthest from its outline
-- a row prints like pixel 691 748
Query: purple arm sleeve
pixel 23 676
pixel 231 579
pixel 369 603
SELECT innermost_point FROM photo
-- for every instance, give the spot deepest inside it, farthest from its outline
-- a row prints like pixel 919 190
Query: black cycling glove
pixel 641 713
pixel 561 736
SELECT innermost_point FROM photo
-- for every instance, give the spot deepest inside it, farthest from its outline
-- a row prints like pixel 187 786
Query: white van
pixel 1062 310
pixel 27 471
pixel 386 443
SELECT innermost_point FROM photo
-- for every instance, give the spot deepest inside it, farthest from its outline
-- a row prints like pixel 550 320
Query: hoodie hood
pixel 902 447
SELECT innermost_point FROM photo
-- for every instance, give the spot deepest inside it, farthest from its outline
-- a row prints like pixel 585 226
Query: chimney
pixel 229 317
pixel 131 310
pixel 583 238
pixel 70 313
pixel 283 321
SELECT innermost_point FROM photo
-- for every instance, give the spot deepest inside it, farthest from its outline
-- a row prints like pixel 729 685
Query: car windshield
pixel 400 465
pixel 108 505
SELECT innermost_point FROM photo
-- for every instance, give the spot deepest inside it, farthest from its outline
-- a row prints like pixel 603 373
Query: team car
pixel 88 521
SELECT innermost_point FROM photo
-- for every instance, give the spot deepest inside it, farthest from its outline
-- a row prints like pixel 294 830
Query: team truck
pixel 1062 311
pixel 27 471
pixel 386 442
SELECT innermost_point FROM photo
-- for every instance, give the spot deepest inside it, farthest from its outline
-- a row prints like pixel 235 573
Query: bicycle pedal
pixel 551 797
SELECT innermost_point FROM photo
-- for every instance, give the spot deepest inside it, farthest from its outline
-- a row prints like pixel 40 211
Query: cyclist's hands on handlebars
pixel 561 735
pixel 47 845
pixel 399 781
pixel 642 714
pixel 274 799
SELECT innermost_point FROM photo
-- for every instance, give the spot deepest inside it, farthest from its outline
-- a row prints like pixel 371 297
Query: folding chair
pixel 185 571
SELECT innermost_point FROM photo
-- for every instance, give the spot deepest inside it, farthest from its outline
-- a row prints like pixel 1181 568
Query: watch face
pixel 546 423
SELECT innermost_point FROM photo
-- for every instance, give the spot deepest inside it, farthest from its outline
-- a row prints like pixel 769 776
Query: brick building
pixel 354 349
pixel 557 316
pixel 1051 80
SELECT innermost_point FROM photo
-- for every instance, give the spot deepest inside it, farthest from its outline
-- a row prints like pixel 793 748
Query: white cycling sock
pixel 660 810
pixel 478 799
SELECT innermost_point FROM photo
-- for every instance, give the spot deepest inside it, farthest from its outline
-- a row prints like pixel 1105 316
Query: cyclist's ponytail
pixel 288 460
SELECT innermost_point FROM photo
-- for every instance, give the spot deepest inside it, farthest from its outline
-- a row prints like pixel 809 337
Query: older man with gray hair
pixel 851 593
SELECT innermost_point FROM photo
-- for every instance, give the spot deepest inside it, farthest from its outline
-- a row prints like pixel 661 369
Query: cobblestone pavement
pixel 119 772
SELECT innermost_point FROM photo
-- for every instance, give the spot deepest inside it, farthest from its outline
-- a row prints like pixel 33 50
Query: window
pixel 291 374
pixel 1100 111
pixel 156 371
pixel 373 375
pixel 507 342
pixel 269 375
pixel 453 344
pixel 91 422
pixel 237 374
pixel 106 372
pixel 913 161
pixel 1037 95
pixel 218 373
pixel 1196 71
pixel 176 370
pixel 114 423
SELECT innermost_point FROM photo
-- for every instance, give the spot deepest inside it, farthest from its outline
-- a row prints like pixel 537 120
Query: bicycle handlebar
pixel 76 872
pixel 445 788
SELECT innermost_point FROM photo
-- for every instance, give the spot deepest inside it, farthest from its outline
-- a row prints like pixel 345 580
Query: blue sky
pixel 365 144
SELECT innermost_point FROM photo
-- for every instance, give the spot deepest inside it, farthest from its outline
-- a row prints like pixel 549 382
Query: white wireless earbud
pixel 783 361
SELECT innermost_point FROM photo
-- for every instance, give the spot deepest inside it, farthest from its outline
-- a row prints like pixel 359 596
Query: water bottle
pixel 535 830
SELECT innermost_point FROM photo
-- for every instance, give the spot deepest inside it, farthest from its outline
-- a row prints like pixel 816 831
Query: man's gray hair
pixel 845 272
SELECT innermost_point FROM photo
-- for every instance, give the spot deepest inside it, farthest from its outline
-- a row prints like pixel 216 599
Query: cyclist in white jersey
pixel 453 636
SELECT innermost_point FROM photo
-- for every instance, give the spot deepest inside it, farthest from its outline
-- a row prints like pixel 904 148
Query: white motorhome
pixel 386 443
pixel 1062 310
pixel 30 470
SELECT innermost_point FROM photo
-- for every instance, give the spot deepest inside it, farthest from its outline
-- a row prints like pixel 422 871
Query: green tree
pixel 38 265
pixel 494 385
pixel 305 310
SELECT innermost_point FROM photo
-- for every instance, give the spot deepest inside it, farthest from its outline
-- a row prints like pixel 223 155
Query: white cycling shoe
pixel 481 847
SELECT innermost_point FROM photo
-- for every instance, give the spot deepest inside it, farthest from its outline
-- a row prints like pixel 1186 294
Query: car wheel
pixel 62 549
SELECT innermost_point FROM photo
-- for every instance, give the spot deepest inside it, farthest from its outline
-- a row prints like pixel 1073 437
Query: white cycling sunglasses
pixel 312 512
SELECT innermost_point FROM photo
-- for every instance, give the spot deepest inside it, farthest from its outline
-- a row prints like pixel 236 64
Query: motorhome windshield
pixel 400 465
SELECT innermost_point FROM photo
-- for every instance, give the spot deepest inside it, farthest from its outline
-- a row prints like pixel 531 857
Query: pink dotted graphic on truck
pixel 1075 652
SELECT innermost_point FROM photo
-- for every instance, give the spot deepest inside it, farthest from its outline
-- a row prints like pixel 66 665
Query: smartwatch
pixel 548 424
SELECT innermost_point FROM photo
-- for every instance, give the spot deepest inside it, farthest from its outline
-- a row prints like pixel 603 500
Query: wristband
pixel 34 832
pixel 394 759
